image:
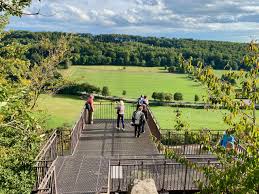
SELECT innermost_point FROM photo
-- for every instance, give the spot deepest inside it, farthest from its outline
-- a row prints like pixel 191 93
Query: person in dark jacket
pixel 138 118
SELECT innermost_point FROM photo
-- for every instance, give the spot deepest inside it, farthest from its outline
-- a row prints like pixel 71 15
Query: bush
pixel 124 92
pixel 228 79
pixel 178 96
pixel 196 98
pixel 154 95
pixel 105 91
pixel 65 64
pixel 179 139
pixel 76 89
pixel 161 96
pixel 168 97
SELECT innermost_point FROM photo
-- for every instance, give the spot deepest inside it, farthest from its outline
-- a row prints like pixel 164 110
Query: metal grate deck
pixel 86 171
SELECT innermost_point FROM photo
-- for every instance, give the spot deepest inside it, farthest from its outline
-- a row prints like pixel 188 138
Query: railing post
pixel 200 149
pixel 185 178
pixel 109 177
pixel 168 142
pixel 184 144
pixel 142 170
pixel 62 142
pixel 207 176
pixel 119 186
pixel 163 183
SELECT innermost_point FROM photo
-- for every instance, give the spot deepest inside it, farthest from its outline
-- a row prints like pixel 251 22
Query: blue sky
pixel 228 20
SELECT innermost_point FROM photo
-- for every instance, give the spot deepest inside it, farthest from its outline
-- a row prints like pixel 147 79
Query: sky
pixel 226 20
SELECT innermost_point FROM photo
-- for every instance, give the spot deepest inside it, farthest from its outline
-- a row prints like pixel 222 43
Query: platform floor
pixel 86 171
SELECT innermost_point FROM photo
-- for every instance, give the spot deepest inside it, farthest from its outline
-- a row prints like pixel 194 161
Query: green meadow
pixel 135 80
pixel 196 118
pixel 60 110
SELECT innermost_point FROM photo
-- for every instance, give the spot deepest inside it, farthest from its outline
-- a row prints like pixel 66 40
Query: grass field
pixel 196 118
pixel 135 80
pixel 60 110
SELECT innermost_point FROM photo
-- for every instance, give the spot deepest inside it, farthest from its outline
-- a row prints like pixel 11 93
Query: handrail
pixel 153 117
pixel 47 145
pixel 76 131
pixel 49 152
pixel 48 184
pixel 157 170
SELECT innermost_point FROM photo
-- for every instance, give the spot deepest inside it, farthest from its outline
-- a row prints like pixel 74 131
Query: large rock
pixel 146 186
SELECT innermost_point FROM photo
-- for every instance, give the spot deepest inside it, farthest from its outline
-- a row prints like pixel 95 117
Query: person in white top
pixel 145 100
pixel 120 115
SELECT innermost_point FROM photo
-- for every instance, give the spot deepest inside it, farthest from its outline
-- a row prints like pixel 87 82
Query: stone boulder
pixel 146 186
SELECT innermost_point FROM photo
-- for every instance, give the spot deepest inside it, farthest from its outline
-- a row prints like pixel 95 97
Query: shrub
pixel 228 79
pixel 124 92
pixel 76 89
pixel 179 139
pixel 65 64
pixel 178 96
pixel 196 98
pixel 154 95
pixel 161 96
pixel 168 97
pixel 105 91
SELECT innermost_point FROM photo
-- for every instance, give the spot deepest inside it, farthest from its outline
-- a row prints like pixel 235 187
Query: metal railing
pixel 46 157
pixel 191 143
pixel 153 125
pixel 53 148
pixel 48 184
pixel 167 174
pixel 107 111
pixel 77 129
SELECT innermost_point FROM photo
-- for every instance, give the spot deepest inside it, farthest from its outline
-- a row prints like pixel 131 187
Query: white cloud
pixel 135 16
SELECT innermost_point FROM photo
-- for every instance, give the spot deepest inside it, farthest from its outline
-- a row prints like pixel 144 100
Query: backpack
pixel 87 106
pixel 133 117
pixel 140 119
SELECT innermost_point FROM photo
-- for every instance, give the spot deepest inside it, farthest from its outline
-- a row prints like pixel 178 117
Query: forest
pixel 128 50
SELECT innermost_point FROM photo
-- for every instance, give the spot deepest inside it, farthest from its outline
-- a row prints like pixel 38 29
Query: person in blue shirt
pixel 228 140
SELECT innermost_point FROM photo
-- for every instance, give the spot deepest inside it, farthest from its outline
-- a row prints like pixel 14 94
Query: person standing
pixel 138 118
pixel 140 101
pixel 145 100
pixel 90 108
pixel 145 111
pixel 120 115
pixel 228 140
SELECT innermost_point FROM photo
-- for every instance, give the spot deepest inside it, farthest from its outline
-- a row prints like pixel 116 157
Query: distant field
pixel 135 80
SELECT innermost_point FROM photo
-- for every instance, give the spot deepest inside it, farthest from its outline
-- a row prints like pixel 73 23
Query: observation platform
pixel 86 171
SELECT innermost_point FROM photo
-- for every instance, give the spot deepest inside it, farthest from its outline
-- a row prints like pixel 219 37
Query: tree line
pixel 116 49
